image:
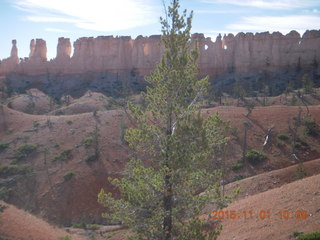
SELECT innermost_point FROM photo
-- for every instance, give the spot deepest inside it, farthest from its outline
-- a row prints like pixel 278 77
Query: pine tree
pixel 160 196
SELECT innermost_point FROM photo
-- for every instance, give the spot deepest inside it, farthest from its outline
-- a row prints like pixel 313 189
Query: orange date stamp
pixel 260 214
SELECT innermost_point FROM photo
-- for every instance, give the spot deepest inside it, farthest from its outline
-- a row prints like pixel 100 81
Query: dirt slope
pixel 48 194
pixel 300 195
pixel 20 225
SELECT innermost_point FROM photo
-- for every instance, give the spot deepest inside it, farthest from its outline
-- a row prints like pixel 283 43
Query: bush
pixel 237 166
pixel 237 178
pixel 9 170
pixel 68 176
pixel 283 137
pixel 24 151
pixel 92 157
pixel 310 127
pixel 5 193
pixel 64 155
pixel 36 124
pixel 69 122
pixel 3 146
pixel 300 171
pixel 255 156
pixel 79 225
pixel 88 142
pixel 309 236
pixel 65 238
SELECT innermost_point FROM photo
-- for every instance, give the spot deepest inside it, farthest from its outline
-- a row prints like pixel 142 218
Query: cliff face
pixel 123 57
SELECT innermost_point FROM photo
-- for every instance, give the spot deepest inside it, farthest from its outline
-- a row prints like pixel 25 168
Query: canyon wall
pixel 124 59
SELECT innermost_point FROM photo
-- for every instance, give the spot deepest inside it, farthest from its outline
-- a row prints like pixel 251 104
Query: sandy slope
pixel 20 225
pixel 300 195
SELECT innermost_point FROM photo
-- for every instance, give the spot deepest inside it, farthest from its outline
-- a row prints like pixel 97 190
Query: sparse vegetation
pixel 67 237
pixel 309 236
pixel 3 146
pixel 237 166
pixel 24 150
pixel 310 127
pixel 68 175
pixel 64 155
pixel 56 145
pixel 300 171
pixel 283 137
pixel 296 233
pixel 10 170
pixel 255 157
pixel 92 157
pixel 69 122
pixel 87 142
pixel 36 124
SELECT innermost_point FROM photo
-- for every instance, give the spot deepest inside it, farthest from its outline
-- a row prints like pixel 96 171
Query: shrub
pixel 79 225
pixel 255 156
pixel 36 124
pixel 309 236
pixel 3 146
pixel 65 238
pixel 310 127
pixel 237 166
pixel 92 157
pixel 56 145
pixel 296 233
pixel 68 175
pixel 237 178
pixel 4 193
pixel 300 171
pixel 283 137
pixel 69 122
pixel 64 155
pixel 24 151
pixel 9 170
pixel 88 142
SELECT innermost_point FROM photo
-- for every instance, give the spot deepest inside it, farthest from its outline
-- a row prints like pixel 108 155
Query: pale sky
pixel 24 20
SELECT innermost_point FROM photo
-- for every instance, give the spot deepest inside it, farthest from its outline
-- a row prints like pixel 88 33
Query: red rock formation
pixel 241 53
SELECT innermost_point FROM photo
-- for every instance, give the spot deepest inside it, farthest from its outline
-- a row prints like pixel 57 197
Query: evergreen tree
pixel 160 196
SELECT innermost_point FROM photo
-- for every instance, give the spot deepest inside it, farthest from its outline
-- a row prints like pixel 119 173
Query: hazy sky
pixel 24 20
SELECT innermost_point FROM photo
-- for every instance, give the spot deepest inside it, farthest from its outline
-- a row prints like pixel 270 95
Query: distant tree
pixel 307 84
pixel 160 196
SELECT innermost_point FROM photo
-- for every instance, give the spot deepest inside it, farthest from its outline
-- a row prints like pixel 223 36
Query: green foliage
pixel 300 171
pixel 67 237
pixel 24 150
pixel 91 158
pixel 307 83
pixel 10 170
pixel 160 196
pixel 255 157
pixel 79 225
pixel 69 122
pixel 296 233
pixel 68 175
pixel 309 236
pixel 87 142
pixel 237 178
pixel 3 146
pixel 56 145
pixel 237 166
pixel 4 193
pixel 283 137
pixel 310 127
pixel 36 124
pixel 64 155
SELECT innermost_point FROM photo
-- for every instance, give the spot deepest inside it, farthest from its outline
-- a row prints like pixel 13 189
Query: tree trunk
pixel 167 202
